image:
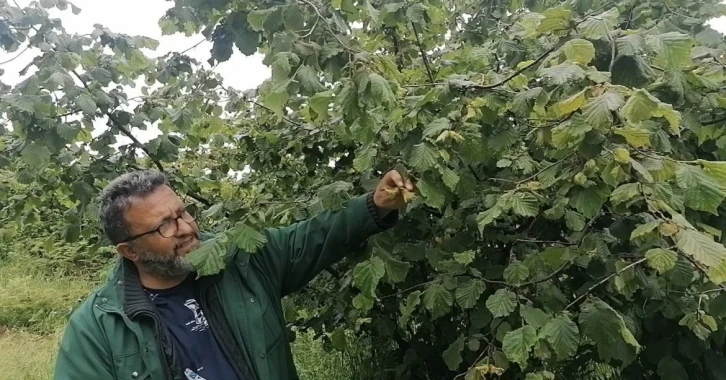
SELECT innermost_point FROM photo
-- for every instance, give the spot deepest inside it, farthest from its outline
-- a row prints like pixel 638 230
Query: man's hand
pixel 393 192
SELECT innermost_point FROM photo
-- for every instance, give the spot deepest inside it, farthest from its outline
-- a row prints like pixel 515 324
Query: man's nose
pixel 183 227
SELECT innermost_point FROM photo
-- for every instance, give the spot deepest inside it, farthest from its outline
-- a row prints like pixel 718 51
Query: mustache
pixel 187 240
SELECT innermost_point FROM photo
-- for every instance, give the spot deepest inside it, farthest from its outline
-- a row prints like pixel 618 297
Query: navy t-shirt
pixel 201 356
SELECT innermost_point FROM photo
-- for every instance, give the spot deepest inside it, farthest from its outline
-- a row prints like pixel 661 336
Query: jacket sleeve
pixel 294 255
pixel 83 353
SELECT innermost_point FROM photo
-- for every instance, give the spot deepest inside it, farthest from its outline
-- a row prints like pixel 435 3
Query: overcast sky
pixel 140 17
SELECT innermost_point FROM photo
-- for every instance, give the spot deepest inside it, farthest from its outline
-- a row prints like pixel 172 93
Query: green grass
pixel 35 307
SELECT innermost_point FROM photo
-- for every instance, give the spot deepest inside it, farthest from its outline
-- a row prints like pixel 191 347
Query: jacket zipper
pixel 160 343
pixel 213 325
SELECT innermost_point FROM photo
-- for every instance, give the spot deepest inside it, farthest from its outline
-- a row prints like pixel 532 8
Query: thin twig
pixel 16 57
pixel 325 21
pixel 411 288
pixel 424 56
pixel 604 280
pixel 195 45
pixel 284 117
pixel 546 168
pixel 516 73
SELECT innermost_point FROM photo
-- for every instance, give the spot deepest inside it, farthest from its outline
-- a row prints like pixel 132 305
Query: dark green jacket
pixel 116 332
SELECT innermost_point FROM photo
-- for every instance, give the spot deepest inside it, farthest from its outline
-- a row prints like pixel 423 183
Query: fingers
pixel 395 177
pixel 409 185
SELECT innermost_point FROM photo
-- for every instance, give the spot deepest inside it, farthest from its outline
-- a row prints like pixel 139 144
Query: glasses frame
pixel 188 210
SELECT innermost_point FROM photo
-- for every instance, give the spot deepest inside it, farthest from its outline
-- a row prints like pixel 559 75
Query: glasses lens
pixel 187 216
pixel 168 229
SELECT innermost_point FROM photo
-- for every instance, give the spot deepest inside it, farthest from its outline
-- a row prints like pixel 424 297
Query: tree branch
pixel 604 280
pixel 17 56
pixel 424 56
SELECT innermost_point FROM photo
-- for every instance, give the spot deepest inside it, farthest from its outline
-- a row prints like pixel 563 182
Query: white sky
pixel 140 17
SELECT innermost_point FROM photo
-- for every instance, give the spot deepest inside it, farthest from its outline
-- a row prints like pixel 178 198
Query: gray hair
pixel 116 199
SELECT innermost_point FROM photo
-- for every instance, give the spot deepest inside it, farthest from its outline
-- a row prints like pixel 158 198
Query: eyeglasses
pixel 169 227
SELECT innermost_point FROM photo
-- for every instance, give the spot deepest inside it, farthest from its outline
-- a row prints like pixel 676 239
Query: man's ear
pixel 127 251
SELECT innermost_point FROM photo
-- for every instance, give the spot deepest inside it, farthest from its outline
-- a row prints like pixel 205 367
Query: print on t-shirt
pixel 199 322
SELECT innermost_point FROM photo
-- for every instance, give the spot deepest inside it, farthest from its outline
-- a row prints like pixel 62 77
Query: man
pixel 153 320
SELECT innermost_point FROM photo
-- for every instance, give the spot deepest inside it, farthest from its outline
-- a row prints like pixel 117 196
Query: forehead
pixel 153 208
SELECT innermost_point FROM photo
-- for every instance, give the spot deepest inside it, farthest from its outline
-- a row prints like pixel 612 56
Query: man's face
pixel 154 253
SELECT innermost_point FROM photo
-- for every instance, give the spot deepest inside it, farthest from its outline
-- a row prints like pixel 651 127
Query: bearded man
pixel 154 320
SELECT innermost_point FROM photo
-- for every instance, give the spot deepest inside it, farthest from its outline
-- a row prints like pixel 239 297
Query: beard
pixel 164 266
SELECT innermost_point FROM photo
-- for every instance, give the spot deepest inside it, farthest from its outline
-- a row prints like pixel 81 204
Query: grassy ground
pixel 34 309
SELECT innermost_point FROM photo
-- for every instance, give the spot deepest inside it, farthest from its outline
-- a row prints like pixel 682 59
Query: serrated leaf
pixel 367 274
pixel 518 343
pixel 363 303
pixel 516 273
pixel 533 316
pixel 488 217
pixel 571 104
pixel 661 259
pixel 599 27
pixel 208 258
pixel 644 229
pixel 563 335
pixel 308 79
pixel 68 131
pixel 701 191
pixel 468 293
pixel 640 106
pixel 257 18
pixel 673 49
pixel 579 51
pixel 320 102
pixel 72 233
pixel 36 155
pixel 701 247
pixel 250 239
pixel 437 300
pixel 424 156
pixel 396 270
pixel 555 19
pixel 598 111
pixel 407 308
pixel 636 137
pixel 502 303
pixel 86 103
pixel 589 201
pixel 452 355
pixel 381 90
pixel 437 126
pixel 525 204
pixel 624 193
pixel 606 328
pixel 433 193
pixel 574 220
pixel 464 258
pixel 450 178
pixel 563 73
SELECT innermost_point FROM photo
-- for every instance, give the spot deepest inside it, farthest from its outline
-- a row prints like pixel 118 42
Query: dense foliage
pixel 567 155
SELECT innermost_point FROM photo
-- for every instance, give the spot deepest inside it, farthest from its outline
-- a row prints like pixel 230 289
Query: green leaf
pixel 599 27
pixel 624 193
pixel 598 111
pixel 640 106
pixel 525 204
pixel 606 328
pixel 488 217
pixel 644 229
pixel 433 193
pixel 381 91
pixel 437 300
pixel 502 303
pixel 452 355
pixel 574 220
pixel 209 258
pixel 468 292
pixel 563 73
pixel 36 155
pixel 367 274
pixel 363 303
pixel 518 343
pixel 571 104
pixel 72 233
pixel 555 19
pixel 182 118
pixel 563 335
pixel 396 270
pixel 701 247
pixel 214 211
pixel 464 258
pixel 589 201
pixel 671 369
pixel 320 102
pixel 533 316
pixel 308 79
pixel 413 300
pixel 250 239
pixel 68 131
pixel 673 49
pixel 437 126
pixel 86 103
pixel 661 259
pixel 636 137
pixel 450 178
pixel 23 102
pixel 424 156
pixel 516 273
pixel 701 191
pixel 257 18
pixel 579 51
